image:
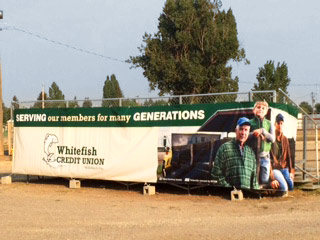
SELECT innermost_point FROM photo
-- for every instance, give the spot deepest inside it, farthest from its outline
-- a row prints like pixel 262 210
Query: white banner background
pixel 130 154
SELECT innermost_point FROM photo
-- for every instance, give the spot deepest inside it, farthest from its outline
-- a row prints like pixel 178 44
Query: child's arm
pixel 270 136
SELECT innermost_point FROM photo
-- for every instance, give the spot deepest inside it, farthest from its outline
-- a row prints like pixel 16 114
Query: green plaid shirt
pixel 231 168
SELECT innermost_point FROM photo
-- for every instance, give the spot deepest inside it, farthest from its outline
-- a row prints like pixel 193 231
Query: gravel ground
pixel 48 209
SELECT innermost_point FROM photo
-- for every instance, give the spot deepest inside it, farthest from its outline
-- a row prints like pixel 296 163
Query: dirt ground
pixel 49 209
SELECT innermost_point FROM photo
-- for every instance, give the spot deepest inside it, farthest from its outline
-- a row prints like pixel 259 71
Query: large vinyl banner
pixel 137 144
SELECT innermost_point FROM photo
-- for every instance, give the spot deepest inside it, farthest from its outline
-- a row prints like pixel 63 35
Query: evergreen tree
pixel 111 89
pixel 107 88
pixel 117 92
pixel 191 51
pixel 56 94
pixel 271 77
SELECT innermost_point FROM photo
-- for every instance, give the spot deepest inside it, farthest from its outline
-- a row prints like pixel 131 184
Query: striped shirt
pixel 233 168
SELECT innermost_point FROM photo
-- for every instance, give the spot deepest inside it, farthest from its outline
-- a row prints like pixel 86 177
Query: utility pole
pixel 1 109
pixel 1 114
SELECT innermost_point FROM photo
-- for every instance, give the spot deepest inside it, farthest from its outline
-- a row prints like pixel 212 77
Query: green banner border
pixel 179 112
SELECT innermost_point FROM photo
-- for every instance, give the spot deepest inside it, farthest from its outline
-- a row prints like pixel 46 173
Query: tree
pixel 159 102
pixel 317 108
pixel 116 87
pixel 74 103
pixel 56 94
pixel 87 103
pixel 271 77
pixel 130 103
pixel 306 107
pixel 15 102
pixel 111 89
pixel 38 104
pixel 107 88
pixel 190 52
pixel 6 114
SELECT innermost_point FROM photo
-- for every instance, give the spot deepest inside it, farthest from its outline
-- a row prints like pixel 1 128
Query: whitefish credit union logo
pixel 60 155
pixel 49 148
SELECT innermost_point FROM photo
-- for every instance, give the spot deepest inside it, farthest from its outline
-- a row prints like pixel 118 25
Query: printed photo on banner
pixel 246 148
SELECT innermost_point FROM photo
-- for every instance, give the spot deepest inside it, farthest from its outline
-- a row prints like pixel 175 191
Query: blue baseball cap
pixel 279 118
pixel 243 121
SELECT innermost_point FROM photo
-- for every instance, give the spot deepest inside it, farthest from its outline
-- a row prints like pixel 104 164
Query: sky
pixel 32 56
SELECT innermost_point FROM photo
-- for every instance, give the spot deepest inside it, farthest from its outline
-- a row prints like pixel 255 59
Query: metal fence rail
pixel 269 96
pixel 308 124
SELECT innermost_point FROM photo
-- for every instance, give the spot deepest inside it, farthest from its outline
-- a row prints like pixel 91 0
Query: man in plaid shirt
pixel 235 162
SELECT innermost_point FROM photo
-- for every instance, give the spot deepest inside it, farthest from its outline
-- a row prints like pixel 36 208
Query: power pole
pixel 1 114
pixel 1 109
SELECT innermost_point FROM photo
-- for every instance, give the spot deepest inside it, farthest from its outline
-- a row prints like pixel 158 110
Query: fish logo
pixel 49 141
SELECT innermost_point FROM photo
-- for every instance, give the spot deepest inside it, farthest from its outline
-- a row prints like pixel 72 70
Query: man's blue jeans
pixel 283 177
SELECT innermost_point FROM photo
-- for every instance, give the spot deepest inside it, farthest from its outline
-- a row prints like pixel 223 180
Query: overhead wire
pixel 8 27
pixel 61 43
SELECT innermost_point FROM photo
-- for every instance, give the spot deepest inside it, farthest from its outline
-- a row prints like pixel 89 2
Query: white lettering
pixel 31 117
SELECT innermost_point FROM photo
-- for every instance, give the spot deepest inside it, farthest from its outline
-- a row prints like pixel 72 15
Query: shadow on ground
pixel 161 188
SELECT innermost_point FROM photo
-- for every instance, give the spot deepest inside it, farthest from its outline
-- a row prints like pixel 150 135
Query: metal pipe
pixel 274 96
pixel 166 97
pixel 306 115
pixel 301 109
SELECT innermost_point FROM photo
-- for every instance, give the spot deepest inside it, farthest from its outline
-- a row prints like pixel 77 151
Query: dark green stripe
pixel 209 110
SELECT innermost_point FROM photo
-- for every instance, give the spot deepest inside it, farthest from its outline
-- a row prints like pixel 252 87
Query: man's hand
pixel 292 176
pixel 275 184
pixel 257 132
